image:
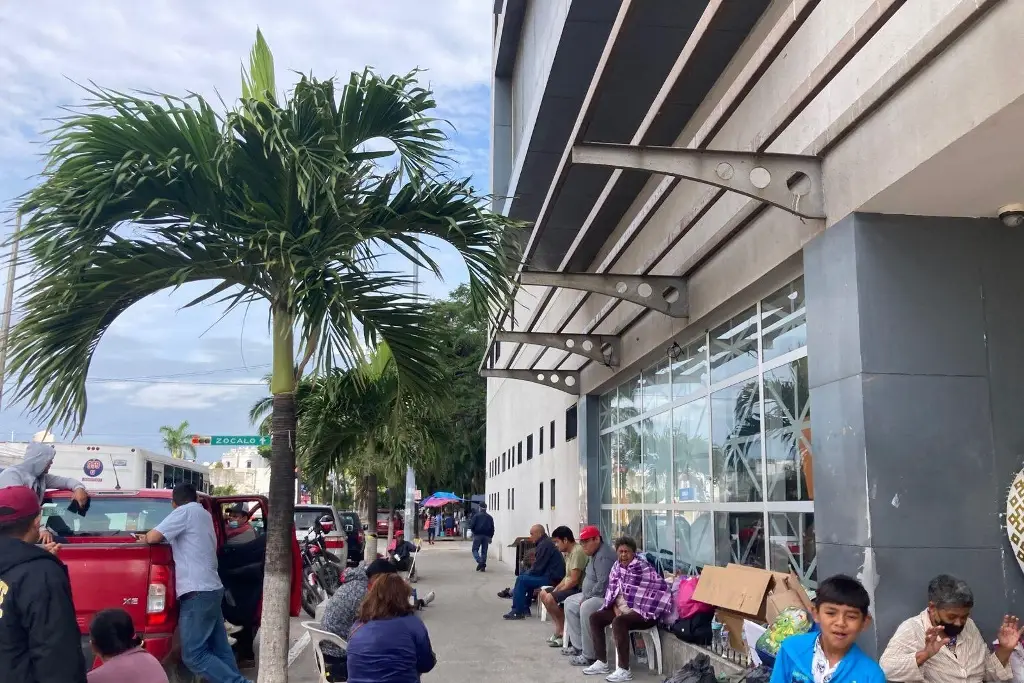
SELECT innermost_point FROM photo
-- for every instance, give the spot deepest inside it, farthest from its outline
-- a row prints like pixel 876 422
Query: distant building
pixel 244 469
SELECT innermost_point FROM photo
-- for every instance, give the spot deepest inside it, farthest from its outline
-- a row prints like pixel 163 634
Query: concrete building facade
pixel 792 339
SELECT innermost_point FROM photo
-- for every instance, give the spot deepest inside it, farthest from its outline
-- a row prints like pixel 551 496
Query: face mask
pixel 233 524
pixel 952 630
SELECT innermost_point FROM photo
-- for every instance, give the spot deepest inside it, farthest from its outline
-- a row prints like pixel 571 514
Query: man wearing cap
pixel 34 472
pixel 238 529
pixel 39 638
pixel 579 607
pixel 482 528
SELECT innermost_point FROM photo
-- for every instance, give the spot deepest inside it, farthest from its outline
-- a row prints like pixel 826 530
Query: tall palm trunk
pixel 277 578
pixel 371 512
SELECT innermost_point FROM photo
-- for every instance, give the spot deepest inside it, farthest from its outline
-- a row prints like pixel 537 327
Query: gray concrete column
pixel 588 443
pixel 915 342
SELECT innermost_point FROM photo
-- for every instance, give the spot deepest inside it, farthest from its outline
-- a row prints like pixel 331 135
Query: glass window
pixel 606 466
pixel 787 433
pixel 540 442
pixel 540 505
pixel 694 541
pixel 551 493
pixel 740 539
pixel 689 369
pixel 736 443
pixel 606 410
pixel 783 321
pixel 627 402
pixel 657 458
pixel 107 516
pixel 791 537
pixel 734 346
pixel 605 525
pixel 628 472
pixel 658 535
pixel 627 523
pixel 692 459
pixel 655 386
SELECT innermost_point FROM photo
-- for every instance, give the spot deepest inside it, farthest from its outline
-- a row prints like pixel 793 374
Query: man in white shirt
pixel 204 642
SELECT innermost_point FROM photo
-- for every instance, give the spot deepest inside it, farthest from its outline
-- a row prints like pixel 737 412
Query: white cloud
pixel 177 46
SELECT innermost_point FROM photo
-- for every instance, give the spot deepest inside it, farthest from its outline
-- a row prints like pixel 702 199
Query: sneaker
pixel 620 676
pixel 428 598
pixel 555 641
pixel 232 641
pixel 232 629
pixel 598 668
pixel 580 660
pixel 505 593
pixel 514 616
pixel 571 651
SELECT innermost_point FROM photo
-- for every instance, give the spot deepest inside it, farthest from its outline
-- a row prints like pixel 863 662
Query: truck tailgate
pixel 108 575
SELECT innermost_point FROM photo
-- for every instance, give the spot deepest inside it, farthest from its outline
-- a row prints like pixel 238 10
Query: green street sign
pixel 239 440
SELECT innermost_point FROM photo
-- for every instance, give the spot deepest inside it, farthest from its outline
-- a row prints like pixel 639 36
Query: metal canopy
pixel 662 293
pixel 603 348
pixel 792 182
pixel 563 380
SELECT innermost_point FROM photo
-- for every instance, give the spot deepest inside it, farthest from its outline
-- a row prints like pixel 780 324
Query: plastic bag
pixel 793 621
pixel 684 602
pixel 697 670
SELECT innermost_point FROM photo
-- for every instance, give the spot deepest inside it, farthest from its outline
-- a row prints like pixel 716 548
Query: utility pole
pixel 411 527
pixel 9 304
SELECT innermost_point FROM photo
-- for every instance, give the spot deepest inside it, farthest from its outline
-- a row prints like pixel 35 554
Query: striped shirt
pixel 970 661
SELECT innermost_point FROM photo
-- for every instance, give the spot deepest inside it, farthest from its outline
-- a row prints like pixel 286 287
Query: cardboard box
pixel 749 593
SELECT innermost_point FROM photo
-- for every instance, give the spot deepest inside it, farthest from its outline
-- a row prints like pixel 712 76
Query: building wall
pixel 866 85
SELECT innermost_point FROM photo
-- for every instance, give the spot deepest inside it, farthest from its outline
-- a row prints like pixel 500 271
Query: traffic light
pixel 200 440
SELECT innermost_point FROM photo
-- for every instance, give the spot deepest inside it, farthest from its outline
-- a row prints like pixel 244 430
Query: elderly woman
pixel 942 644
pixel 636 598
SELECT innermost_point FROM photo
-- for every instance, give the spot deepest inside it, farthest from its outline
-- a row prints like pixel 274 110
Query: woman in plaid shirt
pixel 637 597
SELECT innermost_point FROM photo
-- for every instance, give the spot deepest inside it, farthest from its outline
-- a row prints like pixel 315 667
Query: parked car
pixel 108 568
pixel 356 538
pixel 382 522
pixel 333 524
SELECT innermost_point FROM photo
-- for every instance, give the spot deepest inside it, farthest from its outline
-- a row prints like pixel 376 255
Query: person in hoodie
pixel 34 472
pixel 39 638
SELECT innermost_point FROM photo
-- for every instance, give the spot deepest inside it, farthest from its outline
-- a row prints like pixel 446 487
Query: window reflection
pixel 657 458
pixel 692 459
pixel 736 443
pixel 694 541
pixel 689 369
pixel 655 386
pixel 783 321
pixel 787 430
pixel 740 539
pixel 658 539
pixel 734 346
pixel 793 549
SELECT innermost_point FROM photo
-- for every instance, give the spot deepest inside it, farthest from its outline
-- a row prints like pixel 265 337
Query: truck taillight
pixel 157 602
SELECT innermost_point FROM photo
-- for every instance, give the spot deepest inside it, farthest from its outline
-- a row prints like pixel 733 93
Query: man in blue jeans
pixel 482 528
pixel 204 641
pixel 548 570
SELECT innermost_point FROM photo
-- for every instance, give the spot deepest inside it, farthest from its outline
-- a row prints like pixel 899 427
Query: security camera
pixel 1012 215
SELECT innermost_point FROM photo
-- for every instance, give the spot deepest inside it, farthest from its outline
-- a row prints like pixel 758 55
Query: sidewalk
pixel 471 640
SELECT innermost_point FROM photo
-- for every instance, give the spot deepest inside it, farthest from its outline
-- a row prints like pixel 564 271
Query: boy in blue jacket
pixel 829 653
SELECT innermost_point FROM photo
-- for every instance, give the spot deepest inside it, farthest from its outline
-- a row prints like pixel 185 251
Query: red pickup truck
pixel 108 568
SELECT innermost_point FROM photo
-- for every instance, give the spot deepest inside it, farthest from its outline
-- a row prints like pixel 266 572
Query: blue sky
pixel 159 364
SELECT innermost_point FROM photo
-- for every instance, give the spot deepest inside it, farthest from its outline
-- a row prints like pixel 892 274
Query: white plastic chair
pixel 543 609
pixel 316 634
pixel 652 643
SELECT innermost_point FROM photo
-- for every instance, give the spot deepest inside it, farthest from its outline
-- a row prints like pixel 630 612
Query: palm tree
pixel 276 200
pixel 365 420
pixel 178 440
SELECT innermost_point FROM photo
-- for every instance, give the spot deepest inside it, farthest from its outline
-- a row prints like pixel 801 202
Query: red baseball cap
pixel 589 532
pixel 17 502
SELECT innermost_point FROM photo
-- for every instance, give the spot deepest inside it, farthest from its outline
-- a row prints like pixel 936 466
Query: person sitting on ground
pixel 919 648
pixel 830 652
pixel 637 597
pixel 548 569
pixel 114 640
pixel 39 638
pixel 579 607
pixel 555 597
pixel 388 642
pixel 34 472
pixel 238 530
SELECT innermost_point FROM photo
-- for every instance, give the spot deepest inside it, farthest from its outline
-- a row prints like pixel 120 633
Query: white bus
pixel 116 467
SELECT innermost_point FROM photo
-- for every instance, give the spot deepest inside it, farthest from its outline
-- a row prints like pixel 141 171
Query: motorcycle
pixel 312 589
pixel 326 564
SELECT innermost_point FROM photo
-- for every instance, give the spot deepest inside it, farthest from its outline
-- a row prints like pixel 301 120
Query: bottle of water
pixel 716 633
